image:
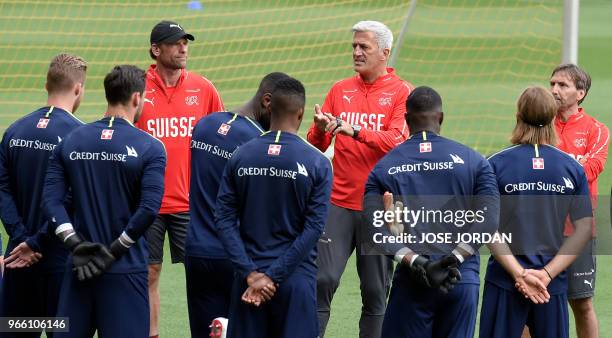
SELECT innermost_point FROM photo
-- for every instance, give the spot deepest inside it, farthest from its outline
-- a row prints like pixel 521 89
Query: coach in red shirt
pixel 586 140
pixel 365 113
pixel 175 99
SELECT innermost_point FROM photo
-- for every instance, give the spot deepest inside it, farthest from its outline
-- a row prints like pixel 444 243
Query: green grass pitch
pixel 313 44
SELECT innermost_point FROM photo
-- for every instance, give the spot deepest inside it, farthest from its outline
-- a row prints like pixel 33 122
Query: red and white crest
pixel 107 134
pixel 191 100
pixel 224 129
pixel 538 163
pixel 274 149
pixel 384 101
pixel 42 123
pixel 580 143
pixel 425 147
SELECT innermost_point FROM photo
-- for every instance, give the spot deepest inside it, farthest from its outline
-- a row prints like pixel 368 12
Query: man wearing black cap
pixel 175 99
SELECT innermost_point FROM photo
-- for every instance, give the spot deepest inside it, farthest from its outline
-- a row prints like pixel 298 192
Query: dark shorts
pixel 419 311
pixel 116 305
pixel 209 291
pixel 505 313
pixel 176 225
pixel 581 274
pixel 291 313
pixel 29 292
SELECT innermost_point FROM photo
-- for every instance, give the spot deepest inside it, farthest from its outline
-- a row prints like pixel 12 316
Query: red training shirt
pixel 170 113
pixel 379 109
pixel 586 140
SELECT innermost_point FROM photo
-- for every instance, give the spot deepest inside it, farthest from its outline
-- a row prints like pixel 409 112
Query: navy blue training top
pixel 116 174
pixel 24 155
pixel 539 189
pixel 443 185
pixel 214 140
pixel 272 205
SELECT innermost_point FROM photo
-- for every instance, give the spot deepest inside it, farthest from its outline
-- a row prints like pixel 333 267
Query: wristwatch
pixel 356 130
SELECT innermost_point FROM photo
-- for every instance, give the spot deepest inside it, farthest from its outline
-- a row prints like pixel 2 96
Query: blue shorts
pixel 209 289
pixel 415 310
pixel 29 292
pixel 116 305
pixel 291 313
pixel 505 313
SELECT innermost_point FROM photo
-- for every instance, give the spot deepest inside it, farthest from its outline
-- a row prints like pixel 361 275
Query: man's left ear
pixel 301 114
pixel 581 94
pixel 265 100
pixel 387 53
pixel 136 98
pixel 78 88
pixel 441 117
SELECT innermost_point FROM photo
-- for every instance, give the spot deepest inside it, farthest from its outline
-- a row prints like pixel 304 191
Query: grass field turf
pixel 316 49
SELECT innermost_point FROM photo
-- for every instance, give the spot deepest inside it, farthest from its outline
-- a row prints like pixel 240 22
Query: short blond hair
pixel 65 70
pixel 536 109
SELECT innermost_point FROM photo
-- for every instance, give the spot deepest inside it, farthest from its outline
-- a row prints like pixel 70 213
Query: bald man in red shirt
pixel 175 100
pixel 365 115
pixel 586 140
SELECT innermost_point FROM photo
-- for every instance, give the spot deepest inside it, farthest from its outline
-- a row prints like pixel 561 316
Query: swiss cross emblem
pixel 274 149
pixel 384 101
pixel 580 142
pixel 191 100
pixel 224 129
pixel 42 123
pixel 425 147
pixel 538 163
pixel 107 134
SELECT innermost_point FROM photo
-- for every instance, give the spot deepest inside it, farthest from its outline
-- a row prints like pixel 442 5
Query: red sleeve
pixel 397 130
pixel 597 151
pixel 214 100
pixel 322 140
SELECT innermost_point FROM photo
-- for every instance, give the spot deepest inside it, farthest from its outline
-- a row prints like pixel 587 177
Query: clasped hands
pixel 261 289
pixel 533 285
pixel 90 260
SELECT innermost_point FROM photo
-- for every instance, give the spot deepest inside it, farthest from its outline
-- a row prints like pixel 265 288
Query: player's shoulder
pixel 18 124
pixel 560 155
pixel 403 87
pixel 61 114
pixel 72 120
pixel 408 85
pixel 198 80
pixel 501 154
pixel 349 83
pixel 401 84
pixel 251 124
pixel 79 133
pixel 215 117
pixel 460 148
pixel 26 119
pixel 231 120
pixel 146 137
pixel 317 155
pixel 390 159
pixel 594 124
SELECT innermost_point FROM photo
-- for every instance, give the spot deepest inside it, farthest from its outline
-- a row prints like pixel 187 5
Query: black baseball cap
pixel 169 31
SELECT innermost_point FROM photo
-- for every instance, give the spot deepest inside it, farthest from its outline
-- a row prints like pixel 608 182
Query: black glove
pixel 454 275
pixel 71 240
pixel 441 274
pixel 90 260
pixel 118 249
